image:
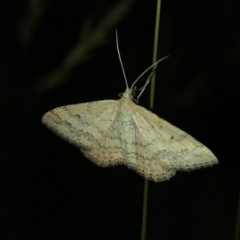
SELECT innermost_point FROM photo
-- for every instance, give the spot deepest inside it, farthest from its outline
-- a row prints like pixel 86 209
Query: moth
pixel 112 132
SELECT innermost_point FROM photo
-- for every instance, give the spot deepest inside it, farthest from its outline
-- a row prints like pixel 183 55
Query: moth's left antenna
pixel 119 56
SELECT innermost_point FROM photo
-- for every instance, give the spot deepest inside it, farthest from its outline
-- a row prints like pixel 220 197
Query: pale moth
pixel 112 132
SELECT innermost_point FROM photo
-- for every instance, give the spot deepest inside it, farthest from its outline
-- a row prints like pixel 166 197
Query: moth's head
pixel 129 94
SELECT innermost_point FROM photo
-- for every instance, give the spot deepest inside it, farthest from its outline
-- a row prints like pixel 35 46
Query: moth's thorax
pixel 128 94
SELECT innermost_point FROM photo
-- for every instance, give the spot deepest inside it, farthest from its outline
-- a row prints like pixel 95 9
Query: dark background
pixel 49 189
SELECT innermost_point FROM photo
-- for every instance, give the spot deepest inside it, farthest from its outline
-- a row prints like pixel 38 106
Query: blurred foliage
pixel 89 38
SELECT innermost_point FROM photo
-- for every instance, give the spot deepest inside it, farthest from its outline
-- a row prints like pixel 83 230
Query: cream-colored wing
pixel 82 124
pixel 173 148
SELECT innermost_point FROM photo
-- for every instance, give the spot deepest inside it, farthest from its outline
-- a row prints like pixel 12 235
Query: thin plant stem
pixel 237 232
pixel 155 47
pixel 144 215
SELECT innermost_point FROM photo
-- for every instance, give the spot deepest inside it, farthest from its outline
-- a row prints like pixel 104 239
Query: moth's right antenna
pixel 147 82
pixel 152 66
pixel 119 56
